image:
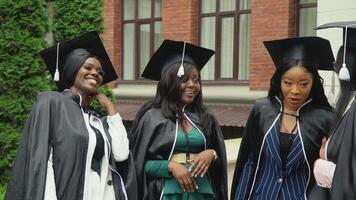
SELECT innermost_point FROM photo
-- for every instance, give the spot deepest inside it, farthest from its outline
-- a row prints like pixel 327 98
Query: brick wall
pixel 180 20
pixel 112 32
pixel 272 19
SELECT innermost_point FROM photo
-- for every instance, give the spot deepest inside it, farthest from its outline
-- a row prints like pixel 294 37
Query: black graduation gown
pixel 341 150
pixel 56 121
pixel 155 137
pixel 315 123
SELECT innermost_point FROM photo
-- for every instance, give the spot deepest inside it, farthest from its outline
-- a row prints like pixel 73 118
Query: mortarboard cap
pixel 89 43
pixel 349 40
pixel 171 52
pixel 351 30
pixel 312 49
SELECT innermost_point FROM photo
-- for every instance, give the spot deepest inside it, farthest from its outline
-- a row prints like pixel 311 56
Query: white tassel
pixel 180 72
pixel 344 73
pixel 56 75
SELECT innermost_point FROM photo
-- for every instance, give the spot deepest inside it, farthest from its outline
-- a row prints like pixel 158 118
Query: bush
pixel 2 192
pixel 23 26
pixel 71 18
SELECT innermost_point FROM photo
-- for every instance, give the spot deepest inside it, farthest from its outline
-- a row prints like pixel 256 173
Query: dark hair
pixel 168 96
pixel 346 87
pixel 317 91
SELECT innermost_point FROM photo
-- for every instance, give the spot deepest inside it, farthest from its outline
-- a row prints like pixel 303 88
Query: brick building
pixel 231 23
pixel 240 70
pixel 238 73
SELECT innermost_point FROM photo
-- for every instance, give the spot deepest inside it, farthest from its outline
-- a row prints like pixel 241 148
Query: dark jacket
pixel 155 138
pixel 313 124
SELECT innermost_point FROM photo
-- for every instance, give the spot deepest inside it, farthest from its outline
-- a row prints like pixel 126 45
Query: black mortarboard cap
pixel 89 41
pixel 349 40
pixel 351 30
pixel 171 52
pixel 315 50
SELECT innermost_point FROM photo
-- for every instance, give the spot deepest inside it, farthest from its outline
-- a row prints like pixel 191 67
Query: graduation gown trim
pixel 56 121
pixel 155 140
pixel 312 123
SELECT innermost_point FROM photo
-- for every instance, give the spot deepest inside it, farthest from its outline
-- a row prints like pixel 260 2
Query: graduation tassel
pixel 344 72
pixel 56 73
pixel 180 72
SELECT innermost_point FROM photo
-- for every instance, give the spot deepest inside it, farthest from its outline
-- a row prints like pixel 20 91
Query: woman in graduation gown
pixel 67 150
pixel 336 169
pixel 177 145
pixel 284 130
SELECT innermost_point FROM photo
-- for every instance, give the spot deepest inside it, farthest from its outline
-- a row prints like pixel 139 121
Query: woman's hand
pixel 323 149
pixel 201 162
pixel 183 176
pixel 105 102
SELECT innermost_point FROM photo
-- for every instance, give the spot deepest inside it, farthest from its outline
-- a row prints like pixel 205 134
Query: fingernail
pixel 196 187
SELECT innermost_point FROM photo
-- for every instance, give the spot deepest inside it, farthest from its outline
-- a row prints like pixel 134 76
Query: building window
pixel 142 35
pixel 307 17
pixel 225 27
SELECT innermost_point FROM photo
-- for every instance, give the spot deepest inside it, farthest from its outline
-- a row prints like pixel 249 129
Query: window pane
pixel 307 1
pixel 144 46
pixel 245 4
pixel 244 47
pixel 227 47
pixel 129 43
pixel 227 5
pixel 307 21
pixel 158 7
pixel 208 6
pixel 144 9
pixel 157 35
pixel 129 9
pixel 207 40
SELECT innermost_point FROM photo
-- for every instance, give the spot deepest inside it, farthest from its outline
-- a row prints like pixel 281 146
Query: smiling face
pixel 89 77
pixel 190 87
pixel 296 84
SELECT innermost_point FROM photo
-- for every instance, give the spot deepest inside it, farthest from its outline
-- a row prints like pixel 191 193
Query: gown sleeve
pixel 144 133
pixel 341 150
pixel 244 163
pixel 219 165
pixel 118 134
pixel 28 176
pixel 157 168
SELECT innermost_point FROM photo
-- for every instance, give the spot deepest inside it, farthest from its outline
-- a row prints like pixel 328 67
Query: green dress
pixel 172 189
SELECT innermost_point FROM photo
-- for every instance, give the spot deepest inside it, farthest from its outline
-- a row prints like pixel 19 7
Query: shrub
pixel 23 26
